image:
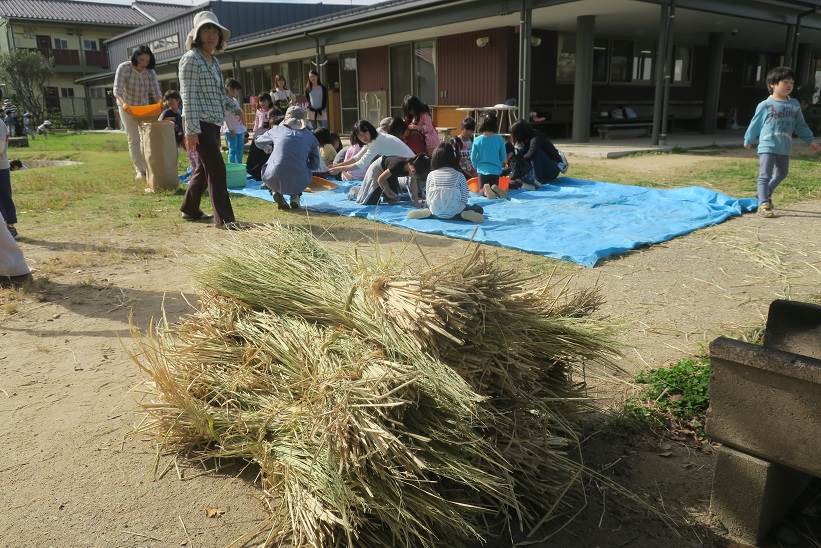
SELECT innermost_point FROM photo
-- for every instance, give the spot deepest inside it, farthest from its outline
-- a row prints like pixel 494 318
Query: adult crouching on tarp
pixel 136 84
pixel 294 156
pixel 13 268
pixel 204 106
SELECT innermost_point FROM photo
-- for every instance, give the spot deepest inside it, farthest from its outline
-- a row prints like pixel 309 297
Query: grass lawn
pixel 102 195
pixel 732 175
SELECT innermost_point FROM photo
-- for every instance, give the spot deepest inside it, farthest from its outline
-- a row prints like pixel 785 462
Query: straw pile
pixel 383 404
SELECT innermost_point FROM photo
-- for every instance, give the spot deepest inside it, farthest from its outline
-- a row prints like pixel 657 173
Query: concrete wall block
pixel 767 403
pixel 750 495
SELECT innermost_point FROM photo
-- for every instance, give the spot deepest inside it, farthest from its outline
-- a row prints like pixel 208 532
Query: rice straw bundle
pixel 383 405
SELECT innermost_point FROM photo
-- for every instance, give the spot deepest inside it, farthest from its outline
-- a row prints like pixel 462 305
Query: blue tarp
pixel 574 220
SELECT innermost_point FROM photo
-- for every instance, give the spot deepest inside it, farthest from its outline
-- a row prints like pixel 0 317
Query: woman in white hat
pixel 204 106
pixel 294 157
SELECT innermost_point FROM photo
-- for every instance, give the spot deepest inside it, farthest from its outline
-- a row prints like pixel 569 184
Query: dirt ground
pixel 75 474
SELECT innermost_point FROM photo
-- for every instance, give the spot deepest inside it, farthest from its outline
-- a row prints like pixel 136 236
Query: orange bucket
pixel 150 112
pixel 473 184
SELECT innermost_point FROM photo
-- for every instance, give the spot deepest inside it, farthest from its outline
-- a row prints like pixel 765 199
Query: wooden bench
pixel 624 129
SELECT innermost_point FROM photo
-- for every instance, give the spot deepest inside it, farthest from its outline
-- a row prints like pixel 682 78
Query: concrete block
pixel 766 402
pixel 750 495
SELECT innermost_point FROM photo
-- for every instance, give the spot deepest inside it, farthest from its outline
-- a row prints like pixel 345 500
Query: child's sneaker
pixel 501 194
pixel 13 231
pixel 563 164
pixel 765 210
pixel 487 190
pixel 294 202
pixel 472 216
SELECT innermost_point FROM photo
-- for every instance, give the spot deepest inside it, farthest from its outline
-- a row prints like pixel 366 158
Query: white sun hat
pixel 206 18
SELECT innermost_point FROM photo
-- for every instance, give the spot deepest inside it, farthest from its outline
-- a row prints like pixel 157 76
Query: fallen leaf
pixel 676 397
pixel 665 454
pixel 213 512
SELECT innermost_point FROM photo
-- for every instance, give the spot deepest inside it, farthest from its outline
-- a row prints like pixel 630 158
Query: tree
pixel 25 72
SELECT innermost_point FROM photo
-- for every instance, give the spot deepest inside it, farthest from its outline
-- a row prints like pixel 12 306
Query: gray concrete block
pixel 750 495
pixel 767 403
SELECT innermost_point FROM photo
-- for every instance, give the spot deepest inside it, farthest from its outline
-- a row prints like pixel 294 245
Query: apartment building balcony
pixel 70 60
pixel 66 57
pixel 94 58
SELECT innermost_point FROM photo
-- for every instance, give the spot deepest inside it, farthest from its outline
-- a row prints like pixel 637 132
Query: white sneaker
pixel 564 164
pixel 472 216
pixel 419 213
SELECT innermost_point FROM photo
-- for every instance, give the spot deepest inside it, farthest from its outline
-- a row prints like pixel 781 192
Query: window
pixel 90 45
pixel 621 61
pixel 164 44
pixel 412 72
pixel 97 93
pixel 424 72
pixel 66 92
pixel 755 69
pixel 601 59
pixel 59 43
pixel 566 59
pixel 643 62
pixel 682 64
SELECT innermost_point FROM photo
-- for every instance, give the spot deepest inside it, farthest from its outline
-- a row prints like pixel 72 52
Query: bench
pixel 626 129
pixel 19 141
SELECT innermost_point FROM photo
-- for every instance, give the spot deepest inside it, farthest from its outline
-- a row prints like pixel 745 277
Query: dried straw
pixel 384 405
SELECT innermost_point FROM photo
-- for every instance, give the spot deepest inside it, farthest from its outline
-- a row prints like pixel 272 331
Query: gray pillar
pixel 716 48
pixel 804 73
pixel 525 33
pixel 789 45
pixel 668 73
pixel 237 71
pixel 658 74
pixel 583 83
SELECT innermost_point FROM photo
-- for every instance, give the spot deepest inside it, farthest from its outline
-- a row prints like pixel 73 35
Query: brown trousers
pixel 210 173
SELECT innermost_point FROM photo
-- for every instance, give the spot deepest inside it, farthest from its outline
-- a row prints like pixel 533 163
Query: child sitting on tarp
pixel 488 156
pixel 462 144
pixel 327 152
pixel 535 159
pixel 382 179
pixel 356 145
pixel 293 154
pixel 447 190
pixel 262 123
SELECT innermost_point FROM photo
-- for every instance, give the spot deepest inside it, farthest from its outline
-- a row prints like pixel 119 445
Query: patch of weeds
pixel 10 308
pixel 673 398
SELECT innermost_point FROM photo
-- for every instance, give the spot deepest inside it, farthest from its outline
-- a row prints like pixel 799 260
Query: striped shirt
pixel 203 95
pixel 135 87
pixel 446 192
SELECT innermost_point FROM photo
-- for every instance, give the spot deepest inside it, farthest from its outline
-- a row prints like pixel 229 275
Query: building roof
pixel 159 11
pixel 65 11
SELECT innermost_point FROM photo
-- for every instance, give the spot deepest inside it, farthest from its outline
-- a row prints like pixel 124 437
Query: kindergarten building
pixel 585 67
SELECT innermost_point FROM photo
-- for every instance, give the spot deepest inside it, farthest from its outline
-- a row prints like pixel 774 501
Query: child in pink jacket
pixel 417 116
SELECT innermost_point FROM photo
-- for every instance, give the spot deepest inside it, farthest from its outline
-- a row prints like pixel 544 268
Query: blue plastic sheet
pixel 572 219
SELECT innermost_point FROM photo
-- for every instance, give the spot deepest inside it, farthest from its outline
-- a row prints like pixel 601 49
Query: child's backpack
pixel 415 140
